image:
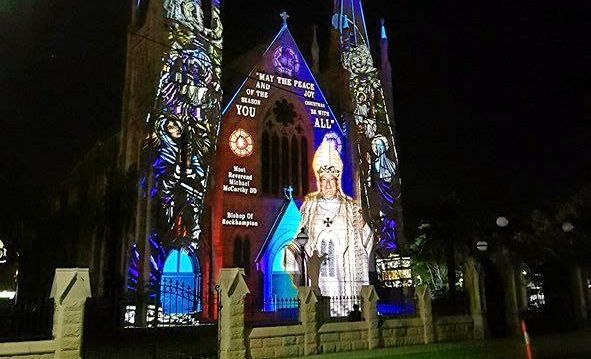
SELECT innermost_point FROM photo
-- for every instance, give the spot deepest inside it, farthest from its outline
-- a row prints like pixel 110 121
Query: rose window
pixel 241 143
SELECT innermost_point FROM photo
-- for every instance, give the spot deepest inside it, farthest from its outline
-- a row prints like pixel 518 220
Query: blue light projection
pixel 156 261
pixel 275 261
pixel 394 309
pixel 178 286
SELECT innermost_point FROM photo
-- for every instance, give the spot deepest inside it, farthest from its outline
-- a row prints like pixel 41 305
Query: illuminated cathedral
pixel 230 179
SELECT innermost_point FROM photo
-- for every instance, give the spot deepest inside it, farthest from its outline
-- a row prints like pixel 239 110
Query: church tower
pixel 170 122
pixel 370 124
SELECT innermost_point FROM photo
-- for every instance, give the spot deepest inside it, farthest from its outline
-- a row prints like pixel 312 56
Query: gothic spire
pixel 385 67
pixel 349 21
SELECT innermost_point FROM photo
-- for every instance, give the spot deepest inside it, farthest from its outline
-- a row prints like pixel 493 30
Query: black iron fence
pixel 144 312
pixel 31 320
pixel 149 343
pixel 179 304
pixel 341 309
pixel 126 328
pixel 445 303
pixel 271 312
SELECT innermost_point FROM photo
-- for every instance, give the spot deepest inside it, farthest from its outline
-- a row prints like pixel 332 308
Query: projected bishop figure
pixel 335 227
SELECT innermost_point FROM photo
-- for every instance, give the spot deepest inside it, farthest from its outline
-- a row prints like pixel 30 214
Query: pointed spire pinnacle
pixel 383 35
pixel 350 23
pixel 315 49
pixel 384 44
pixel 386 67
pixel 284 15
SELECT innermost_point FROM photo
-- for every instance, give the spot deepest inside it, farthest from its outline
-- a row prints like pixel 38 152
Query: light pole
pixel 302 239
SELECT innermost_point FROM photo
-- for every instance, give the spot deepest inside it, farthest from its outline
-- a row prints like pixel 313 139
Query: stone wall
pixel 288 341
pixel 343 337
pixel 454 328
pixel 70 289
pixel 42 349
pixel 313 336
pixel 276 342
pixel 405 331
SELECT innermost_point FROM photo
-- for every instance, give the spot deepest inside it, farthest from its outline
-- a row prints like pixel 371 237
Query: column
pixel 578 294
pixel 310 318
pixel 472 285
pixel 232 292
pixel 425 312
pixel 370 315
pixel 511 302
pixel 70 289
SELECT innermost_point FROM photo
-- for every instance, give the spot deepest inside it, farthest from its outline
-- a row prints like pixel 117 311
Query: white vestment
pixel 335 227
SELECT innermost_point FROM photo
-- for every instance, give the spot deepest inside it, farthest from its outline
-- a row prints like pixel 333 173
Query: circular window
pixel 241 143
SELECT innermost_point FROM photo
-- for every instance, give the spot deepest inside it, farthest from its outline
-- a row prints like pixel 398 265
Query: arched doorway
pixel 180 283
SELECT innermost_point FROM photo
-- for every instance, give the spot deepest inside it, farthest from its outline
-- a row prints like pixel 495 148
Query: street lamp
pixel 482 246
pixel 502 222
pixel 567 227
pixel 301 240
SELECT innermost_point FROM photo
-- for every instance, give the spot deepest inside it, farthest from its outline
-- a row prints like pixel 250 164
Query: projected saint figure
pixel 175 170
pixel 383 173
pixel 336 228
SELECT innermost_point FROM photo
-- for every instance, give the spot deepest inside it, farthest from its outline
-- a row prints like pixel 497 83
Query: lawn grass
pixel 505 349
pixel 557 346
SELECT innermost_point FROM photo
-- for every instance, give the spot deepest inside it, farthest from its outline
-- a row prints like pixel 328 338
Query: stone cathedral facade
pixel 221 176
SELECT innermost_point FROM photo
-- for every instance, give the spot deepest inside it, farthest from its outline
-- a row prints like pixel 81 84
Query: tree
pixel 443 237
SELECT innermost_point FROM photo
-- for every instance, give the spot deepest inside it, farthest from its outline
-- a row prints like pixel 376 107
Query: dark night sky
pixel 492 100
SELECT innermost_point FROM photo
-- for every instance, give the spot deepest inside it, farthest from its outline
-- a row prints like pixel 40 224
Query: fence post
pixel 472 283
pixel 233 290
pixel 310 318
pixel 370 314
pixel 70 289
pixel 426 313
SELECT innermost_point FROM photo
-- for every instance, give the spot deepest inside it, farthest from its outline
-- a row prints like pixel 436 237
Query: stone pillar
pixel 425 312
pixel 233 291
pixel 70 289
pixel 472 285
pixel 310 318
pixel 578 294
pixel 511 295
pixel 370 315
pixel 521 290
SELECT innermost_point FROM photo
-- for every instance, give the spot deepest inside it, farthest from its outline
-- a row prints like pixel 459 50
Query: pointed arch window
pixel 284 150
pixel 295 172
pixel 275 179
pixel 331 259
pixel 324 265
pixel 180 283
pixel 304 165
pixel 266 163
pixel 241 253
pixel 285 154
